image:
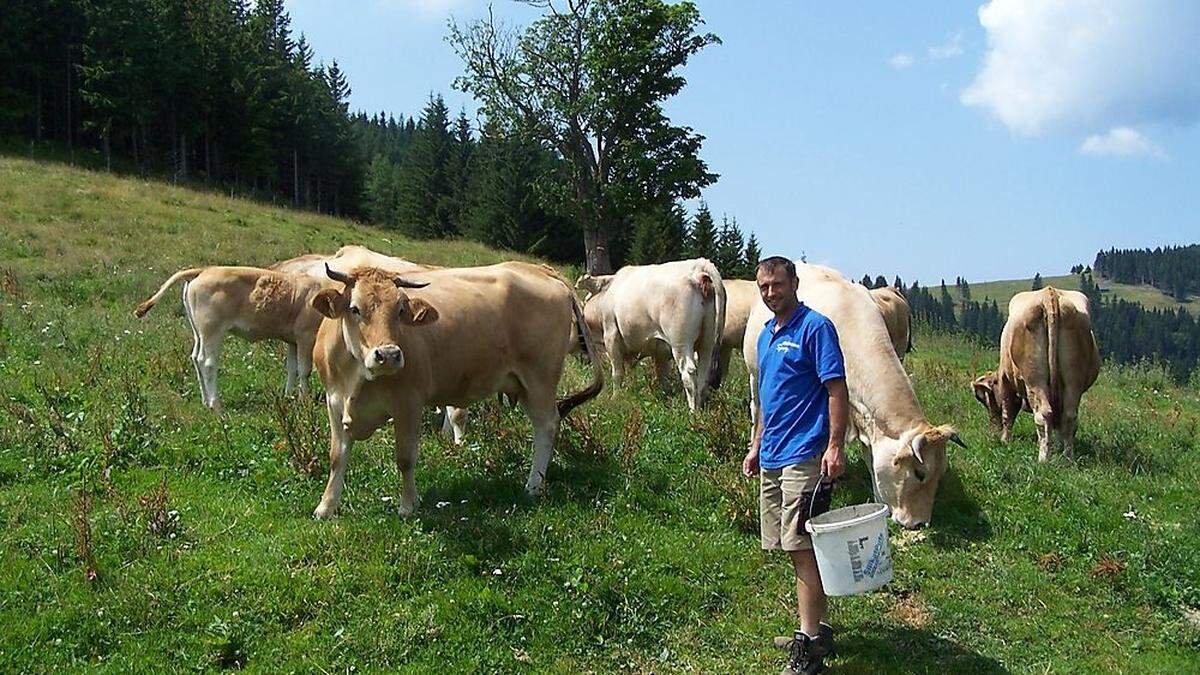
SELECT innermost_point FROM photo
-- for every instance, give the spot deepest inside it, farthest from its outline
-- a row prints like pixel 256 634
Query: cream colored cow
pixel 673 310
pixel 253 303
pixel 907 453
pixel 897 316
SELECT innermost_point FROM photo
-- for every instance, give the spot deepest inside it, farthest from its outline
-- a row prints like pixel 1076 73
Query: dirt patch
pixel 1051 562
pixel 910 610
pixel 1107 568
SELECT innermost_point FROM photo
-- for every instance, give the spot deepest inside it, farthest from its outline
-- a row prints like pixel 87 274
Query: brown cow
pixel 1048 358
pixel 898 317
pixel 740 298
pixel 390 346
pixel 254 303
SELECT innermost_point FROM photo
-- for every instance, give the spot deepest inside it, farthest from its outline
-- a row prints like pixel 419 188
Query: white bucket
pixel 851 546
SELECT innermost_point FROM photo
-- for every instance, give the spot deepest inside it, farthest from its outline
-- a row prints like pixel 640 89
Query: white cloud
pixel 1120 142
pixel 1088 65
pixel 953 47
pixel 901 60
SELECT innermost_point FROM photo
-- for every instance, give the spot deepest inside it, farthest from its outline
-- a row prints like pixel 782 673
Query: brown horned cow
pixel 392 345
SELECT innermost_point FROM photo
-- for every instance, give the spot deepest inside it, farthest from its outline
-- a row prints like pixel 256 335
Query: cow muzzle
pixel 909 522
pixel 385 360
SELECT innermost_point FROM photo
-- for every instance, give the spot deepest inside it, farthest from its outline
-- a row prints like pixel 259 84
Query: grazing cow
pixel 671 310
pixel 907 454
pixel 388 350
pixel 740 297
pixel 1048 358
pixel 897 316
pixel 254 303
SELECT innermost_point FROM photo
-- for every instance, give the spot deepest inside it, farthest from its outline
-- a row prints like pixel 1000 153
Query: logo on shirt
pixel 785 345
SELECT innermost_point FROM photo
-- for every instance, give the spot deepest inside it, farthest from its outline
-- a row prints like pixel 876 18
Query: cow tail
pixel 712 289
pixel 1050 307
pixel 567 404
pixel 181 275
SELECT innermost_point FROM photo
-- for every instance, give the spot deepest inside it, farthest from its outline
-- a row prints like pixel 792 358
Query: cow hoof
pixel 323 513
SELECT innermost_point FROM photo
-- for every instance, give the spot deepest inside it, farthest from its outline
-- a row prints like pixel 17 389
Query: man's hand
pixel 833 462
pixel 750 463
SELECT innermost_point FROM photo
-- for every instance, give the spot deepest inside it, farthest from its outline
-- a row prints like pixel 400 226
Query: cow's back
pixel 1024 343
pixel 652 302
pixel 740 297
pixel 491 320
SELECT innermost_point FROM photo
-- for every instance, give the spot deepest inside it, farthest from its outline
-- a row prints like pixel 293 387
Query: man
pixel 797 440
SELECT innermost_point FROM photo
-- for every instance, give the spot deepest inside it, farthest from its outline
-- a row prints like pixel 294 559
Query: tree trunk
pixel 295 177
pixel 595 244
pixel 107 148
pixel 37 113
pixel 183 156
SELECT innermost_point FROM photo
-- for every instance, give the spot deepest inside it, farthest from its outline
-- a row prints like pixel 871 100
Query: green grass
pixel 642 556
pixel 1144 294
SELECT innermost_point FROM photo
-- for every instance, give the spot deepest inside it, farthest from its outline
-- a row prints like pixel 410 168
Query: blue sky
pixel 930 139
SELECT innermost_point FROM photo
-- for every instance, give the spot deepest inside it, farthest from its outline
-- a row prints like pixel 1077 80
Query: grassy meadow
pixel 139 531
pixel 1143 294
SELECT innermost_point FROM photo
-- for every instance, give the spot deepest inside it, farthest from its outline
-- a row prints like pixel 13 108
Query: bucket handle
pixel 813 501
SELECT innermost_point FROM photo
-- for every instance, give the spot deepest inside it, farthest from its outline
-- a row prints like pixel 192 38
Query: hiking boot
pixel 801 661
pixel 821 646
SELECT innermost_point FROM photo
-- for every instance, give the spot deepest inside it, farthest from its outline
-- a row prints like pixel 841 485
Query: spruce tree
pixel 729 248
pixel 702 239
pixel 752 256
pixel 1037 282
pixel 424 207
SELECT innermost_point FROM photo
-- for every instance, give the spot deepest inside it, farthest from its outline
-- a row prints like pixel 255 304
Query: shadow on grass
pixel 476 526
pixel 891 649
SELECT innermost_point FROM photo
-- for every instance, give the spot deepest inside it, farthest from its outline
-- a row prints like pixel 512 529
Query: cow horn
pixel 958 441
pixel 917 444
pixel 401 282
pixel 337 276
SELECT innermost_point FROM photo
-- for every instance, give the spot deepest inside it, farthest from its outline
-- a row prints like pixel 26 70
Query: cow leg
pixel 454 421
pixel 662 366
pixel 340 443
pixel 304 365
pixel 197 343
pixel 1041 419
pixel 616 354
pixel 685 361
pixel 407 426
pixel 210 360
pixel 1069 423
pixel 543 415
pixel 291 370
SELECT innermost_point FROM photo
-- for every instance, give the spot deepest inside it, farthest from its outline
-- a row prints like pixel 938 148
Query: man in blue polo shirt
pixel 804 404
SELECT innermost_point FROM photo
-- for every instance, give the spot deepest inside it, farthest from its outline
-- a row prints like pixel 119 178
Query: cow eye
pixel 919 473
pixel 354 310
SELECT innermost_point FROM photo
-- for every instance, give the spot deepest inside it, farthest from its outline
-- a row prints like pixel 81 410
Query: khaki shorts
pixel 781 508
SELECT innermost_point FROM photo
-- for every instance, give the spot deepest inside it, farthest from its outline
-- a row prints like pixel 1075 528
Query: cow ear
pixel 420 313
pixel 330 303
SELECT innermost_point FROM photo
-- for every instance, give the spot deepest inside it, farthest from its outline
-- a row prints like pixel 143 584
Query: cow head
pixel 593 284
pixel 908 469
pixel 986 393
pixel 374 311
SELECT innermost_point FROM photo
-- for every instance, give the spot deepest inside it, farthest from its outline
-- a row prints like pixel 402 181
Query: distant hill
pixel 1144 294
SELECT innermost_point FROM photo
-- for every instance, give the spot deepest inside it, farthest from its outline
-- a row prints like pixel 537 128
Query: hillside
pixel 642 556
pixel 1144 294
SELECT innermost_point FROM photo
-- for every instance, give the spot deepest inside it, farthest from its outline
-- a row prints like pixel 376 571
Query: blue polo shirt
pixel 794 363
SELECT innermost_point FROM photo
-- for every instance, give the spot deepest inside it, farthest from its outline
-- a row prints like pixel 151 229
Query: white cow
pixel 906 452
pixel 674 309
